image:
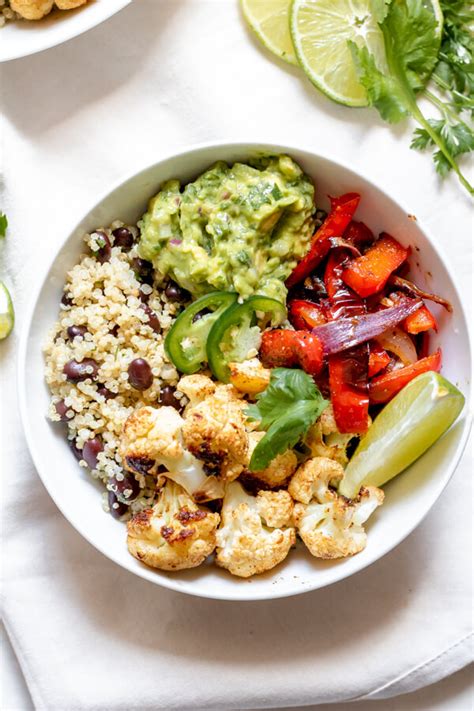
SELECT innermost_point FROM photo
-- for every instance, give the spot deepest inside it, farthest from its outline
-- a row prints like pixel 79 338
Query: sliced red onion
pixel 175 241
pixel 341 242
pixel 399 343
pixel 415 290
pixel 337 336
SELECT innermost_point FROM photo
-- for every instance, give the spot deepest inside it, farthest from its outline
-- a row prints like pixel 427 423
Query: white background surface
pixel 163 74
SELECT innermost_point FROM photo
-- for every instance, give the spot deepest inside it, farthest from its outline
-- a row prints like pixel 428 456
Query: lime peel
pixel 406 427
pixel 7 314
pixel 269 19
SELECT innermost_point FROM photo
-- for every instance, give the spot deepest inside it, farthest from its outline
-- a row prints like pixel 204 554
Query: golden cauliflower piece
pixel 196 388
pixel 330 525
pixel 32 9
pixel 152 437
pixel 175 534
pixel 69 4
pixel 278 471
pixel 325 440
pixel 249 540
pixel 249 377
pixel 214 431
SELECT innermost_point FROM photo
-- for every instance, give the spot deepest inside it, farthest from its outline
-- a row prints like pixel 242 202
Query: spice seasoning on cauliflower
pixel 256 532
pixel 175 534
pixel 330 525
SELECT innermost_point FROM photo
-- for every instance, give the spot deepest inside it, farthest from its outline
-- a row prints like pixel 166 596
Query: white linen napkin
pixel 88 635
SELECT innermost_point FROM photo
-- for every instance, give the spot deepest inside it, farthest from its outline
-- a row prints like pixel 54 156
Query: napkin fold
pixel 88 635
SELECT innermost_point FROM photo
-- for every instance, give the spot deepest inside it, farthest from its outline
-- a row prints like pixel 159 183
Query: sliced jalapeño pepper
pixel 185 343
pixel 232 332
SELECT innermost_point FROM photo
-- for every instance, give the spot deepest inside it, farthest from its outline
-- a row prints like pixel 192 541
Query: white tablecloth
pixel 87 634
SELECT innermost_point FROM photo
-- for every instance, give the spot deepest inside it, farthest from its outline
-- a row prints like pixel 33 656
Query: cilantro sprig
pixel 3 224
pixel 286 409
pixel 412 55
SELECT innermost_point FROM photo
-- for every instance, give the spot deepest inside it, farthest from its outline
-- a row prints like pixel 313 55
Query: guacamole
pixel 236 228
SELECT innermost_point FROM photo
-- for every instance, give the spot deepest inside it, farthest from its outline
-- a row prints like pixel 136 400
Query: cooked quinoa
pixel 114 317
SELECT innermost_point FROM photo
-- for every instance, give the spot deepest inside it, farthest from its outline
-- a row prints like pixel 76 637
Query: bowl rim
pixel 144 572
pixel 68 35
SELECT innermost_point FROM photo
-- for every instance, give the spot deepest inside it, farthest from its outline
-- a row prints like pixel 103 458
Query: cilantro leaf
pixel 286 409
pixel 3 224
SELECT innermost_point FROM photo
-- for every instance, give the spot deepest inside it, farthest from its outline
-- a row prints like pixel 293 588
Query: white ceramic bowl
pixel 408 498
pixel 20 39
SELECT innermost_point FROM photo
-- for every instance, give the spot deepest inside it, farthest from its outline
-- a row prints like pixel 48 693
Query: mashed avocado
pixel 241 228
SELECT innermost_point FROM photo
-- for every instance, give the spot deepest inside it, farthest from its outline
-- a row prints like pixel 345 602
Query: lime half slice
pixel 270 20
pixel 403 430
pixel 321 29
pixel 7 315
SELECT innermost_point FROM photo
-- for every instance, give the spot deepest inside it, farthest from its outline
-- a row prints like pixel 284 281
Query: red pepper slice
pixel 359 234
pixel 378 358
pixel 385 387
pixel 335 224
pixel 421 320
pixel 368 274
pixel 285 348
pixel 305 315
pixel 348 371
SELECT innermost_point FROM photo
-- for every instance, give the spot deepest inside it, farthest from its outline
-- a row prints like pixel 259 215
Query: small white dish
pixel 409 497
pixel 22 38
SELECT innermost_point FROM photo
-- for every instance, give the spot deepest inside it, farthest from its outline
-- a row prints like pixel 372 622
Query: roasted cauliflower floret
pixel 69 4
pixel 196 388
pixel 249 540
pixel 278 471
pixel 214 431
pixel 330 525
pixel 249 377
pixel 152 437
pixel 325 440
pixel 32 9
pixel 174 534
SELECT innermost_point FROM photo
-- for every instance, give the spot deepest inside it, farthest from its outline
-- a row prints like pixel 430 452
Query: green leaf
pixel 421 139
pixel 3 224
pixel 286 409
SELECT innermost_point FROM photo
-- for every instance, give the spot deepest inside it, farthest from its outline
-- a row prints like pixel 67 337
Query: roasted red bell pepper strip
pixel 368 274
pixel 348 371
pixel 359 234
pixel 378 359
pixel 305 315
pixel 285 348
pixel 385 387
pixel 335 224
pixel 421 320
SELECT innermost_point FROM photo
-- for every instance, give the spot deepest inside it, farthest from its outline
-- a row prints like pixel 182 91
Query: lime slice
pixel 269 19
pixel 403 430
pixel 7 315
pixel 321 29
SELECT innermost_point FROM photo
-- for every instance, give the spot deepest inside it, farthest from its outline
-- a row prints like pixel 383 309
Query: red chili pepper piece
pixel 378 359
pixel 385 387
pixel 335 224
pixel 359 234
pixel 348 371
pixel 305 315
pixel 421 320
pixel 368 274
pixel 285 348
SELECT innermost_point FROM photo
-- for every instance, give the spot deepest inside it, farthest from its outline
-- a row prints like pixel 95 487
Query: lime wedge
pixel 321 29
pixel 7 315
pixel 403 430
pixel 269 19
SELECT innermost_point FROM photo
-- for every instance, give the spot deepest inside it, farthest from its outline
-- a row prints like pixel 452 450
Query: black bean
pixel 105 392
pixel 75 331
pixel 75 371
pixel 66 299
pixel 75 449
pixel 114 330
pixel 61 408
pixel 153 320
pixel 140 376
pixel 128 484
pixel 117 508
pixel 143 270
pixel 144 297
pixel 175 293
pixel 123 238
pixel 104 252
pixel 200 314
pixel 167 397
pixel 90 451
